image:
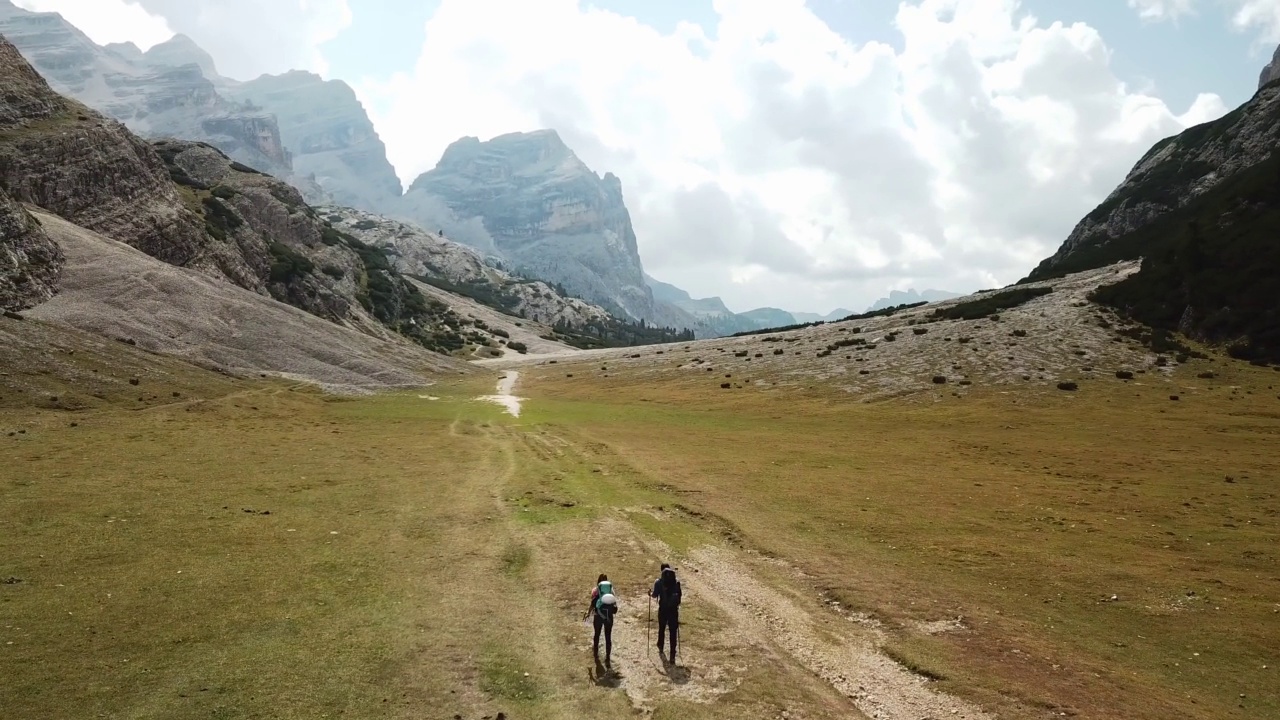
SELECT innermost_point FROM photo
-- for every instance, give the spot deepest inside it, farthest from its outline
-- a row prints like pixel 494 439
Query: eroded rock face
pixel 543 211
pixel 1271 72
pixel 329 133
pixel 66 158
pixel 1175 171
pixel 169 91
pixel 425 254
pixel 30 262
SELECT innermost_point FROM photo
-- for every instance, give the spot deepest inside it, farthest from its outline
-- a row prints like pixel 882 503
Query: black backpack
pixel 669 590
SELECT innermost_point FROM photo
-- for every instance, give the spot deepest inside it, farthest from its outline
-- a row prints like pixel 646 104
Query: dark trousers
pixel 607 625
pixel 668 618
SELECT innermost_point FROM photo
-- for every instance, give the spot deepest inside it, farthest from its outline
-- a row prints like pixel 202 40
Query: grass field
pixel 260 550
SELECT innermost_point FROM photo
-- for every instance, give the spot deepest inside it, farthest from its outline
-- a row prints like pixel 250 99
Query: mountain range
pixel 523 200
pixel 225 177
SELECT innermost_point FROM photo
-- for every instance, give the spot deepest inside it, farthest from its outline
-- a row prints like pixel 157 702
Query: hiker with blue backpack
pixel 604 605
pixel 667 590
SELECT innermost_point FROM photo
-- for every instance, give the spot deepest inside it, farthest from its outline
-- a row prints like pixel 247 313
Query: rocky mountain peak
pixel 1271 72
pixel 181 50
pixel 543 211
pixel 528 154
pixel 125 50
pixel 330 135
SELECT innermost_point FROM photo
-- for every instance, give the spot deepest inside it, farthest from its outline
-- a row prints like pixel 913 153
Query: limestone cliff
pixel 544 211
pixel 451 265
pixel 30 262
pixel 169 91
pixel 329 133
pixel 190 205
pixel 1271 72
pixel 1172 174
pixel 62 156
pixel 1201 210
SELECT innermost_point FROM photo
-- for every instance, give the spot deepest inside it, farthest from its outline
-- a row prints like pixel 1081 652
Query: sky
pixel 804 155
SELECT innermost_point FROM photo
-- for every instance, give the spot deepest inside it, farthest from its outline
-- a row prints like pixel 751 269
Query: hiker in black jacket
pixel 667 590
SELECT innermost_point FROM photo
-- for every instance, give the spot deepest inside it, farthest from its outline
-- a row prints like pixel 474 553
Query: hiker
pixel 604 605
pixel 667 590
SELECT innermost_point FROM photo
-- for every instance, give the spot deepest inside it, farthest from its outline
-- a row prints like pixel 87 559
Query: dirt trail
pixel 504 396
pixel 744 616
pixel 852 664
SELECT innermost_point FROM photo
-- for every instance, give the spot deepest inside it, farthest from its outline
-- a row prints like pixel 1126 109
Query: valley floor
pixel 255 549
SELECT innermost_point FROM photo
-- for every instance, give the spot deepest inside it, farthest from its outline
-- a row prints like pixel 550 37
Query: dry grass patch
pixel 1023 514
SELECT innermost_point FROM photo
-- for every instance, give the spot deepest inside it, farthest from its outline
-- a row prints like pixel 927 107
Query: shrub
pixel 334 218
pixel 241 167
pixel 287 264
pixel 1068 386
pixel 919 330
pixel 218 218
pixel 1019 333
pixel 500 333
pixel 519 347
pixel 939 379
pixel 966 382
pixel 334 272
pixel 222 192
pixel 365 225
pixel 1174 397
pixel 1124 374
pixel 724 386
pixel 1206 376
pixel 779 351
pixel 990 304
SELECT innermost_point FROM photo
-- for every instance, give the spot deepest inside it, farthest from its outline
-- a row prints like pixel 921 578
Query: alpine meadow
pixel 283 436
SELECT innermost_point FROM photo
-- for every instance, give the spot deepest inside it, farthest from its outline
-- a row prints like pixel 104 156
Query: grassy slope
pixel 1024 517
pixel 465 540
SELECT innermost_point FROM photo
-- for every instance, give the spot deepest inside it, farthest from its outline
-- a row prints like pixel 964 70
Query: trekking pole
pixel 648 623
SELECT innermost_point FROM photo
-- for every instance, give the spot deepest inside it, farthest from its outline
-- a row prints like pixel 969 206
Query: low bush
pixel 990 304
pixel 1068 386
pixel 1124 374
pixel 518 347
pixel 218 218
pixel 287 264
pixel 365 225
pixel 939 379
pixel 334 272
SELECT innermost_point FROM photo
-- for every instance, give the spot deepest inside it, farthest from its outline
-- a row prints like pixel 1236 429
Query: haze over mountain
pixel 900 297
pixel 729 193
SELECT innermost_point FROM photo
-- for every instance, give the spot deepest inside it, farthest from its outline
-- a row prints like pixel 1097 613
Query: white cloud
pixel 251 37
pixel 1261 17
pixel 246 37
pixel 772 162
pixel 1162 9
pixel 107 21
